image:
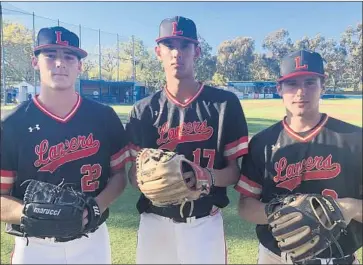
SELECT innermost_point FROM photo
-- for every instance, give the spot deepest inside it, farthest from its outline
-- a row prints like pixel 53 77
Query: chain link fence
pixel 102 63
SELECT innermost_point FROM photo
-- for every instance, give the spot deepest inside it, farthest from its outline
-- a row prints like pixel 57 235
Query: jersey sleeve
pixel 133 129
pixel 252 172
pixel 236 130
pixel 120 154
pixel 8 156
pixel 358 157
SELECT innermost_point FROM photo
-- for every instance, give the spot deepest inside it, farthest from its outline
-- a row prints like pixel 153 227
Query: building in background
pixel 22 91
pixel 253 89
pixel 112 92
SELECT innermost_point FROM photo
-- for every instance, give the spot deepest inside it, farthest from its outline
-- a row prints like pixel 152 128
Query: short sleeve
pixel 133 130
pixel 120 154
pixel 236 130
pixel 9 159
pixel 252 172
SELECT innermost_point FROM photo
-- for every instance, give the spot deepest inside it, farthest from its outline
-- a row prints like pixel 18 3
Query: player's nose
pixel 59 62
pixel 176 53
pixel 301 90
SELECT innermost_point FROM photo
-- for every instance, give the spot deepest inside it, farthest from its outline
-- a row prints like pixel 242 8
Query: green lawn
pixel 240 235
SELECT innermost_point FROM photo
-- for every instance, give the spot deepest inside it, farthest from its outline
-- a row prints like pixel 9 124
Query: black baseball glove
pixel 57 211
pixel 305 224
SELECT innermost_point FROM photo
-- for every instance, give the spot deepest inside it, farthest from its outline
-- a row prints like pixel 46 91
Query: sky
pixel 216 21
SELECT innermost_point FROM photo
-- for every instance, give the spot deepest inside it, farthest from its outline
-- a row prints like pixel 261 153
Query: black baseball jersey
pixel 81 149
pixel 209 129
pixel 325 160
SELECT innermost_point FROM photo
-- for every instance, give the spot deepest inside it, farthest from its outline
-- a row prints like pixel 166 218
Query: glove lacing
pixel 330 249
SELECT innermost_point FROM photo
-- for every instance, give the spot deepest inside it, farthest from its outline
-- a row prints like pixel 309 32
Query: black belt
pixel 346 260
pixel 173 212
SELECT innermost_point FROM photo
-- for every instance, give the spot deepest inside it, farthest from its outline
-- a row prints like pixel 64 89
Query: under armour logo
pixel 31 129
pixel 96 210
pixel 274 147
pixel 156 113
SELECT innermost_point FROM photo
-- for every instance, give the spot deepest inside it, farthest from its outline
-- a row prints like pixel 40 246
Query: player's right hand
pixel 85 219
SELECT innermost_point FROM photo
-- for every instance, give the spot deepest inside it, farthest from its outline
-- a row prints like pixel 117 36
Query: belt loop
pixel 182 208
pixel 191 219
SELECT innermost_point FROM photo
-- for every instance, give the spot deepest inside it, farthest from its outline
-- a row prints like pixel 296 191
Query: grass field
pixel 240 235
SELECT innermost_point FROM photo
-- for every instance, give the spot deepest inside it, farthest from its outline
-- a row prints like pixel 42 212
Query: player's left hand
pixel 349 208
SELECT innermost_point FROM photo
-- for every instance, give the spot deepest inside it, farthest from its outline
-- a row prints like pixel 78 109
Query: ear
pixel 322 84
pixel 157 52
pixel 279 89
pixel 35 62
pixel 197 52
pixel 80 66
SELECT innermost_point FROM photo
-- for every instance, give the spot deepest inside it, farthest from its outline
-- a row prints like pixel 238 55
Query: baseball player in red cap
pixel 60 137
pixel 308 152
pixel 198 121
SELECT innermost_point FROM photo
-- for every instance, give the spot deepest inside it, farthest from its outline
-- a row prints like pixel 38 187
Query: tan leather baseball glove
pixel 167 178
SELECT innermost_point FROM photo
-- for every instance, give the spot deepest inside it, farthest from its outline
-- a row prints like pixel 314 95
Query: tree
pixel 150 71
pixel 264 68
pixel 87 66
pixel 235 57
pixel 335 58
pixel 129 49
pixel 18 50
pixel 278 43
pixel 205 66
pixel 317 44
pixel 109 63
pixel 219 80
pixel 333 54
pixel 351 41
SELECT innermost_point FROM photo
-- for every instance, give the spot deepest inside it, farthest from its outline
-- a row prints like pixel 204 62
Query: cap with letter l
pixel 178 28
pixel 58 37
pixel 301 63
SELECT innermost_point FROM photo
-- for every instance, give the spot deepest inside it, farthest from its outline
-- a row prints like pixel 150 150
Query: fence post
pixel 99 53
pixel 118 59
pixel 80 36
pixel 34 72
pixel 133 69
pixel 2 54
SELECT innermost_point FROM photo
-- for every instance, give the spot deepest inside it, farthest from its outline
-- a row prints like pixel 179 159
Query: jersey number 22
pixel 91 173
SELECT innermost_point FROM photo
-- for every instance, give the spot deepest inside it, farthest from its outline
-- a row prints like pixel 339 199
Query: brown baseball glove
pixel 305 224
pixel 167 178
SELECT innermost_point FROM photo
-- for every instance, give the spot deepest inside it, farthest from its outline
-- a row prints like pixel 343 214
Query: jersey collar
pixel 55 117
pixel 309 136
pixel 186 103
